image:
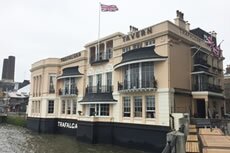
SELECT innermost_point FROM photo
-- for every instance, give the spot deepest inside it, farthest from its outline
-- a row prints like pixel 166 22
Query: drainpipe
pixel 172 121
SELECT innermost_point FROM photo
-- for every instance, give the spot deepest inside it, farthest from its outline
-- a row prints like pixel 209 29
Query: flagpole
pixel 99 29
pixel 196 51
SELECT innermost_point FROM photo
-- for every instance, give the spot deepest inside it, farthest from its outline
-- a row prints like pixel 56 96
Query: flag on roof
pixel 208 40
pixel 216 50
pixel 108 8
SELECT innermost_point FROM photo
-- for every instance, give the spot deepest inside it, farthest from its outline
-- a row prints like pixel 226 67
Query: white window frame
pixel 126 106
pixel 49 106
pixel 138 113
pixel 150 105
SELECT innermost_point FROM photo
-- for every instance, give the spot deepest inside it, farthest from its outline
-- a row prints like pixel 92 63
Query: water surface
pixel 14 139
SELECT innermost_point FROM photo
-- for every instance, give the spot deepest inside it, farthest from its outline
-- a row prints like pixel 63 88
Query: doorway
pixel 200 103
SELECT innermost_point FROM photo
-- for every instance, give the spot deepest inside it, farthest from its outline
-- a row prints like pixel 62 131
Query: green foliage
pixel 16 120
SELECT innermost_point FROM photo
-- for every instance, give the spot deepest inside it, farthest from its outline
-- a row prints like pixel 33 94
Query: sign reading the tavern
pixel 67 125
pixel 137 34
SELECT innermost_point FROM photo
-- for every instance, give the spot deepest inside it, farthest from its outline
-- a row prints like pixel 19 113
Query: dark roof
pixel 139 54
pixel 70 71
pixel 23 84
pixel 200 33
pixel 98 97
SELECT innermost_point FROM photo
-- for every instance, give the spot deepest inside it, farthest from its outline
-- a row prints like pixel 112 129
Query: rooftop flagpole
pixel 99 29
pixel 103 8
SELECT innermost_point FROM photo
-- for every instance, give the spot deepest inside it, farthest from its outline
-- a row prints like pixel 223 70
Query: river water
pixel 14 139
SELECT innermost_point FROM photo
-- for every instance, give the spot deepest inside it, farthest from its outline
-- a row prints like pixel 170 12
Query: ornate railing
pixel 201 61
pixel 207 87
pixel 68 91
pixel 99 89
pixel 137 84
pixel 101 57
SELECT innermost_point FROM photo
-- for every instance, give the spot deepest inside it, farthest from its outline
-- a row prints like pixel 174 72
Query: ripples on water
pixel 14 139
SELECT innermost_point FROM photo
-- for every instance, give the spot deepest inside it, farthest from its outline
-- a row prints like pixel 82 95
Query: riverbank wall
pixel 2 119
pixel 151 138
pixel 16 120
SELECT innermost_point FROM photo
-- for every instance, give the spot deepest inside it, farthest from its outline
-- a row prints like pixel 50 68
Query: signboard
pixel 68 125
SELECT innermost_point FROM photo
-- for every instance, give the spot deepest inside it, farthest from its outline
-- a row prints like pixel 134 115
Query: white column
pixel 140 76
pixel 165 99
pixel 105 54
pixel 206 108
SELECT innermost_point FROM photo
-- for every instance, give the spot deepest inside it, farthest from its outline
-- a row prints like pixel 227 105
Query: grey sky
pixel 33 30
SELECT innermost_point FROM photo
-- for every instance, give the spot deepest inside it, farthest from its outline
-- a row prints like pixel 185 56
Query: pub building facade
pixel 123 89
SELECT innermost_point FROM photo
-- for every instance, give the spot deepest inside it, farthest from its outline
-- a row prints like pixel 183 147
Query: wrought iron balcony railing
pixel 99 89
pixel 68 91
pixel 207 87
pixel 101 57
pixel 140 84
pixel 201 61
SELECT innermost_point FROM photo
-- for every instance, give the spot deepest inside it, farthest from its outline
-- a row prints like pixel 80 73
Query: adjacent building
pixel 8 69
pixel 227 89
pixel 123 88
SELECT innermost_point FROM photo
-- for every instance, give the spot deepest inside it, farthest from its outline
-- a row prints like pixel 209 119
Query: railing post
pixel 180 142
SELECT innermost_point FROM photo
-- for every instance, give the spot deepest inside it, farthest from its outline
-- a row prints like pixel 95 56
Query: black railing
pixel 207 87
pixel 137 84
pixel 99 89
pixel 51 91
pixel 198 68
pixel 201 61
pixel 68 91
pixel 101 57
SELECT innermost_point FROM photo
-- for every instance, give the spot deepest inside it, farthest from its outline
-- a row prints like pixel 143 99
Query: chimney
pixel 213 33
pixel 187 26
pixel 228 69
pixel 179 20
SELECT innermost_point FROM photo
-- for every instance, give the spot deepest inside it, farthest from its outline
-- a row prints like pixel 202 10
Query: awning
pixel 140 55
pixel 98 98
pixel 70 72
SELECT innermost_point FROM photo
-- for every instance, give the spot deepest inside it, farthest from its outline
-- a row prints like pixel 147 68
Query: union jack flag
pixel 216 50
pixel 208 40
pixel 108 8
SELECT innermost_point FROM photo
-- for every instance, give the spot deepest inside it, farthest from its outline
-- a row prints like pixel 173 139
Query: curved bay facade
pixel 123 89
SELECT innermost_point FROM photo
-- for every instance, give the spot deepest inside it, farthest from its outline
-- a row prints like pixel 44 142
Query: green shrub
pixel 15 120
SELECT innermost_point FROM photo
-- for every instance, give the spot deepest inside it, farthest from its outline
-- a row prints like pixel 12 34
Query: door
pixel 201 108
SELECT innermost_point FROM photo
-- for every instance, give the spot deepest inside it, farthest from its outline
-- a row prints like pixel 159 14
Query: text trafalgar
pixel 67 125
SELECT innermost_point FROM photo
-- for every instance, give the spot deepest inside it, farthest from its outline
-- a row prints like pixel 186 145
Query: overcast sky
pixel 32 30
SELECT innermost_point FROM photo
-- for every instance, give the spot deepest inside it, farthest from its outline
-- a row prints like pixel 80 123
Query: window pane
pixel 92 110
pixel 126 106
pixel 134 75
pixel 52 83
pixel 63 107
pixel 50 106
pixel 99 82
pixel 68 106
pixel 74 111
pixel 66 85
pixel 137 106
pixel 72 85
pixel 147 75
pixel 109 81
pixel 104 109
pixel 150 107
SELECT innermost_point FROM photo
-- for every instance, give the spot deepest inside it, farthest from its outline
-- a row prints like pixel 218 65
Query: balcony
pixel 101 57
pixel 198 69
pixel 98 94
pixel 141 85
pixel 207 87
pixel 201 61
pixel 99 89
pixel 68 92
